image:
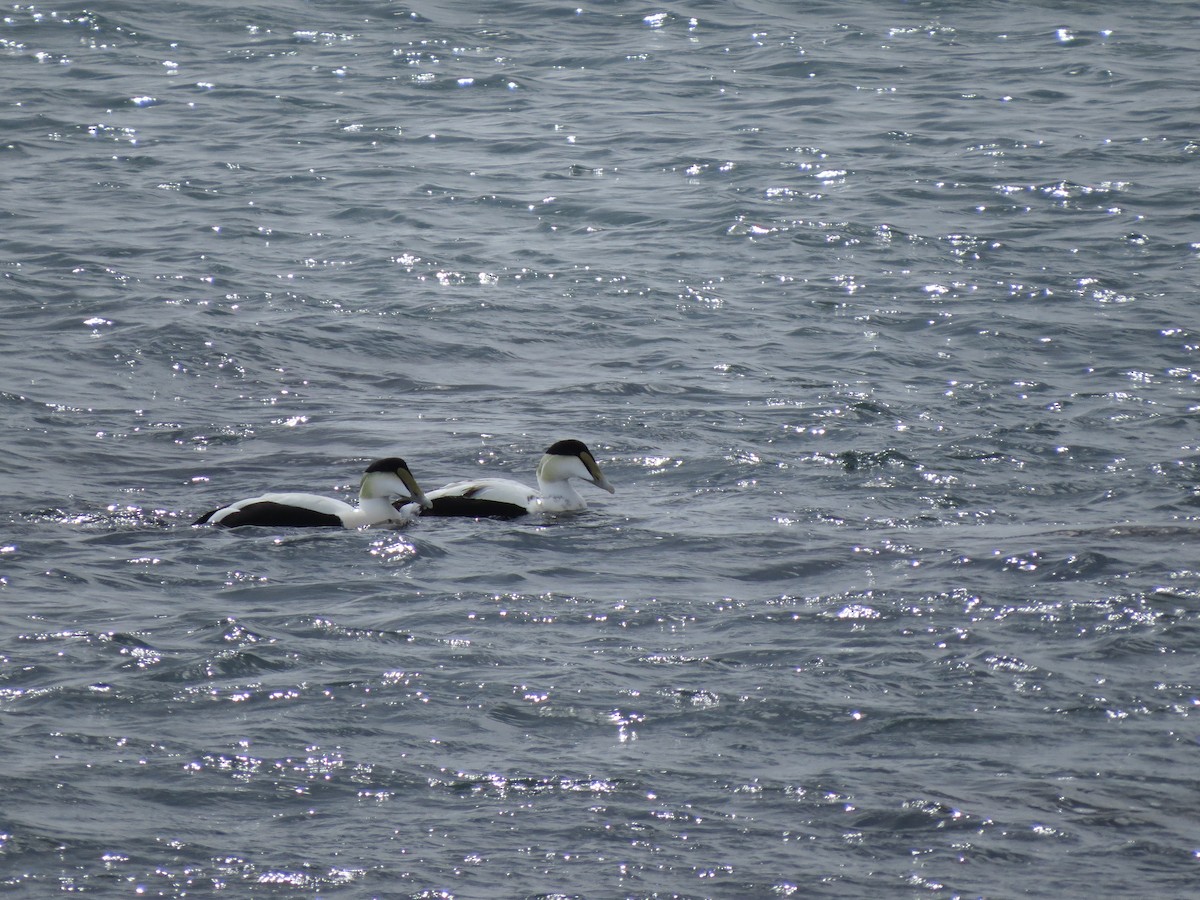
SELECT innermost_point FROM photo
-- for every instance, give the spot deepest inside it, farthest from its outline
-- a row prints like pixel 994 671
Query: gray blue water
pixel 880 316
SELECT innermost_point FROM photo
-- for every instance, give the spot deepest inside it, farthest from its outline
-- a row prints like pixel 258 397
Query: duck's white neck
pixel 371 511
pixel 559 496
pixel 374 502
pixel 557 492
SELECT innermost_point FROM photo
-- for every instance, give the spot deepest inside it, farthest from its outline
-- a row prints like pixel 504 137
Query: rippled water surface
pixel 880 317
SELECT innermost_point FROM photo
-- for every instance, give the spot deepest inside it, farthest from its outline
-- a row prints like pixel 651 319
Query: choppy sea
pixel 881 317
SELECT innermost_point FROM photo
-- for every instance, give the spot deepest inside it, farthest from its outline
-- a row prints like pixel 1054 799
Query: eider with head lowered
pixel 383 480
pixel 502 498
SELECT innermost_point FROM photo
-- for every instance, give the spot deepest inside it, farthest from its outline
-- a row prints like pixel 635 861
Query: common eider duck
pixel 506 499
pixel 383 480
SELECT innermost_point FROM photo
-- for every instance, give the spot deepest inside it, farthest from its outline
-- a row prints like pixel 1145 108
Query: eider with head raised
pixel 383 480
pixel 502 498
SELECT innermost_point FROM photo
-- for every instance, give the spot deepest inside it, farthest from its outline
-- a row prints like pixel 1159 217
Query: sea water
pixel 880 316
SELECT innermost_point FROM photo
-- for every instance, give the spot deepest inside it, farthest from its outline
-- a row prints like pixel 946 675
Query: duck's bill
pixel 597 478
pixel 415 491
pixel 603 484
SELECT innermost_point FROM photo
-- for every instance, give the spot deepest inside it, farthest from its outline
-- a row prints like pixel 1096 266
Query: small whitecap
pixel 656 20
pixel 143 101
pixel 465 82
pixel 654 462
pixel 857 611
pixel 393 549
